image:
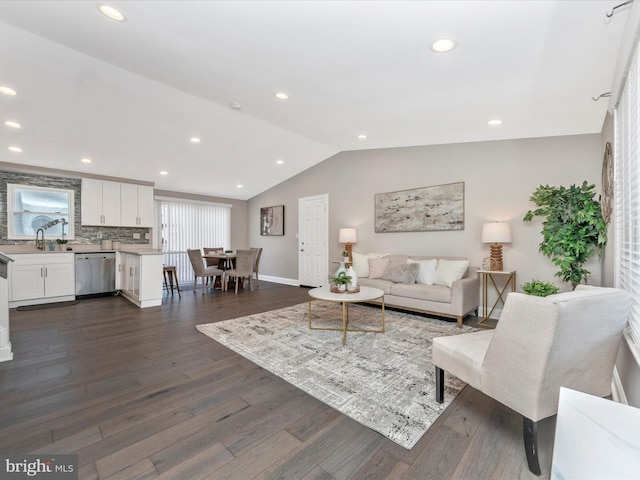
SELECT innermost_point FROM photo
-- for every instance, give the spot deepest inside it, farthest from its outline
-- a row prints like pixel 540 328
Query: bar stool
pixel 171 272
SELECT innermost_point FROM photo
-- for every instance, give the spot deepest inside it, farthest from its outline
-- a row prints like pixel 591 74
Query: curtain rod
pixel 613 10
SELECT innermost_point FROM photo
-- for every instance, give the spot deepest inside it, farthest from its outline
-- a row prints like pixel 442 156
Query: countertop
pixel 79 248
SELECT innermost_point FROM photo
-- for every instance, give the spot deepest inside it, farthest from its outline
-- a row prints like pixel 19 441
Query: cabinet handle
pixel 131 271
pixel 45 271
pixel 41 272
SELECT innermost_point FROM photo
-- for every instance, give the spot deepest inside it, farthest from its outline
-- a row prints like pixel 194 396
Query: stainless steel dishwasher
pixel 95 274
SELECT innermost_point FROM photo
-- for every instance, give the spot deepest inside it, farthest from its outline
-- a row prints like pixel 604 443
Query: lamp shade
pixel 496 232
pixel 347 235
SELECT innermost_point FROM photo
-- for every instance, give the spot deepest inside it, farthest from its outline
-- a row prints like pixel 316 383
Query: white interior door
pixel 313 248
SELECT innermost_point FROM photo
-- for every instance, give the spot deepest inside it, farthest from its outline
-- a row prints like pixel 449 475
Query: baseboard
pixel 617 390
pixel 285 281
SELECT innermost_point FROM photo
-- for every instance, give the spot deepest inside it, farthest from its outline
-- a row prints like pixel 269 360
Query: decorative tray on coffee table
pixel 334 289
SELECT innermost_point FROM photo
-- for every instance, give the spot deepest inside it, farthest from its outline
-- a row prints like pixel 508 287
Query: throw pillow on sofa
pixel 377 267
pixel 427 271
pixel 449 271
pixel 361 262
pixel 401 273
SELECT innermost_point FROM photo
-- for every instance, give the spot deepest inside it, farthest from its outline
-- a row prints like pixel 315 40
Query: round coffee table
pixel 364 295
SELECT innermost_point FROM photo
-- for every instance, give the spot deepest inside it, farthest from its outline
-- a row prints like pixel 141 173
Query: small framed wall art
pixel 272 221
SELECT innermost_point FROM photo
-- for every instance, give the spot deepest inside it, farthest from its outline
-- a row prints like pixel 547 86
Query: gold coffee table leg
pixel 345 321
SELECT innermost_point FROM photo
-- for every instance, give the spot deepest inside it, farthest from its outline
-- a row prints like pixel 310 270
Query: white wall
pixel 499 178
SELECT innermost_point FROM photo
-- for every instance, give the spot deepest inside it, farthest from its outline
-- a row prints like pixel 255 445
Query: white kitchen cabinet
pixel 130 281
pixel 100 202
pixel 141 278
pixel 136 203
pixel 41 278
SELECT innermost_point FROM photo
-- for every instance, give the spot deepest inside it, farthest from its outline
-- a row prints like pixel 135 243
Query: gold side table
pixel 490 276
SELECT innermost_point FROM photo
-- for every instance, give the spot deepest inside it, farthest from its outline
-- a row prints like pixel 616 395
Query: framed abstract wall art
pixel 426 209
pixel 272 221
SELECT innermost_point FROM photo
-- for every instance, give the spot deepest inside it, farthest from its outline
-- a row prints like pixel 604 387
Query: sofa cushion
pixel 427 271
pixel 361 262
pixel 383 285
pixel 432 293
pixel 401 273
pixel 448 271
pixel 377 266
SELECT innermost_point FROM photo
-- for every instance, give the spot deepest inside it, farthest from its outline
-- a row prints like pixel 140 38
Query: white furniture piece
pixel 540 344
pixel 595 438
pixel 366 294
pixel 140 277
pixel 100 202
pixel 5 340
pixel 136 204
pixel 41 278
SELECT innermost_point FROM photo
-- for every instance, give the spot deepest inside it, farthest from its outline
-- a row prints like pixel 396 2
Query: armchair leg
pixel 439 385
pixel 530 433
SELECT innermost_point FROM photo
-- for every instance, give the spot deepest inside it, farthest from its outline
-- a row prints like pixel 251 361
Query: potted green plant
pixel 573 229
pixel 340 281
pixel 61 243
pixel 539 288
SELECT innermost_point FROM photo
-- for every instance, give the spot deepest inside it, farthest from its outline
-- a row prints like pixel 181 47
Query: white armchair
pixel 539 345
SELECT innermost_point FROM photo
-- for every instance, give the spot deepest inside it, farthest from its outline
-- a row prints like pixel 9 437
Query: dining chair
pixel 256 263
pixel 199 270
pixel 245 260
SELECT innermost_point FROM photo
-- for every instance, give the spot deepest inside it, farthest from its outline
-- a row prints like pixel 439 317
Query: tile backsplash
pixel 84 235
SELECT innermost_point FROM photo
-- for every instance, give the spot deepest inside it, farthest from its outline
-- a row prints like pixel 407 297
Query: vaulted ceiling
pixel 130 95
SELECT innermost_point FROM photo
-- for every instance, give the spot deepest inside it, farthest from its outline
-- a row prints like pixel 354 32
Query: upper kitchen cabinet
pixel 136 203
pixel 100 203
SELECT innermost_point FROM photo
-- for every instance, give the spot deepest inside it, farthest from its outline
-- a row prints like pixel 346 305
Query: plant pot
pixel 342 287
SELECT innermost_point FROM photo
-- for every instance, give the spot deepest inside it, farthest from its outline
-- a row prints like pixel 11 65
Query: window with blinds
pixel 188 225
pixel 627 195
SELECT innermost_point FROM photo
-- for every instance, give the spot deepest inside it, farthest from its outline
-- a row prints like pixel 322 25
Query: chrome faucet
pixel 40 241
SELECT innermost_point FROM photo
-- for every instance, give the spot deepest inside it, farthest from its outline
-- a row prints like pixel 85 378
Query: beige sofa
pixel 455 301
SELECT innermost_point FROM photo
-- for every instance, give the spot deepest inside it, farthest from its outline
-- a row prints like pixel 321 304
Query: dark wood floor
pixel 141 394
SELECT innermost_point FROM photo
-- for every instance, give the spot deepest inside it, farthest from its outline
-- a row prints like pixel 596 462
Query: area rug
pixel 385 381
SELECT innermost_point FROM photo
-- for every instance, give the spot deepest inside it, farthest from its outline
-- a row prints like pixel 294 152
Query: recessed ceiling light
pixel 235 106
pixel 362 136
pixel 194 140
pixel 281 95
pixel 112 12
pixel 494 123
pixel 279 162
pixel 11 124
pixel 7 91
pixel 15 149
pixel 164 172
pixel 85 160
pixel 239 185
pixel 443 45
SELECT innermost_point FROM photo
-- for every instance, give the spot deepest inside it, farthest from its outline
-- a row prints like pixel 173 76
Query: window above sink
pixel 30 208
